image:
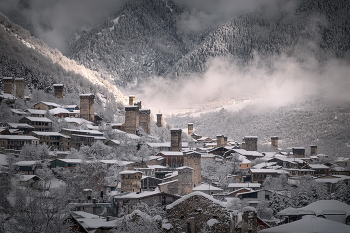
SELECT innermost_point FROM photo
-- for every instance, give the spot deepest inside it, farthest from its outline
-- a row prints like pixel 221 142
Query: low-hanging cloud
pixel 54 21
pixel 285 80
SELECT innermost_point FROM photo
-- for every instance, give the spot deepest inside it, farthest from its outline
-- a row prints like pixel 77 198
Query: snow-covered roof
pixel 318 166
pixel 77 120
pixel 164 144
pixel 206 187
pixel 36 111
pixel 244 185
pixel 184 167
pixel 20 125
pixel 132 195
pixel 118 162
pixel 40 119
pixel 72 160
pixel 264 164
pixel 171 153
pixel 319 208
pixel 252 137
pixel 155 157
pixel 310 224
pixel 55 111
pixel 250 153
pixel 129 172
pixel 164 183
pixel 156 166
pixel 26 163
pixel 58 85
pixel 18 137
pixel 88 94
pixel 91 221
pixel 133 136
pixel 197 193
pixel 267 171
pixel 49 104
pixel 43 133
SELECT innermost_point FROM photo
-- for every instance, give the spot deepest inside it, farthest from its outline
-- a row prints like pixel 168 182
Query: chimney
pixel 176 140
pixel 131 100
pixel 313 150
pixel 19 87
pixel 190 129
pixel 274 142
pixel 159 120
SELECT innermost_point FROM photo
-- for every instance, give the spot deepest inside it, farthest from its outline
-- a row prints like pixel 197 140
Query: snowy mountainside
pixel 24 56
pixel 304 124
pixel 144 39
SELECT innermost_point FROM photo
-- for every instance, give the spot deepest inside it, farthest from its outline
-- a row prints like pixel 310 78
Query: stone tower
pixel 176 140
pixel 138 104
pixel 184 182
pixel 190 129
pixel 58 90
pixel 131 181
pixel 251 143
pixel 220 140
pixel 131 119
pixel 8 85
pixel 193 159
pixel 160 120
pixel 20 87
pixel 131 100
pixel 87 111
pixel 145 120
pixel 274 143
pixel 299 152
pixel 313 150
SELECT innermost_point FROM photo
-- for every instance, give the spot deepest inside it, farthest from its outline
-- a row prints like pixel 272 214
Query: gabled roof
pixel 49 104
pixel 206 187
pixel 39 119
pixel 310 224
pixel 197 193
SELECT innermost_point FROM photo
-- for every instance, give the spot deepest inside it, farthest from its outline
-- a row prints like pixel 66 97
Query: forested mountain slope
pixel 24 56
pixel 144 39
pixel 304 124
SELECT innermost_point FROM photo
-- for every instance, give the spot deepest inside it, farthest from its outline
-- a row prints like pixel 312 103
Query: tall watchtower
pixel 131 100
pixel 176 140
pixel 131 119
pixel 193 159
pixel 8 85
pixel 160 120
pixel 313 150
pixel 184 182
pixel 190 129
pixel 145 120
pixel 87 111
pixel 131 181
pixel 220 140
pixel 299 152
pixel 58 90
pixel 274 142
pixel 251 143
pixel 20 87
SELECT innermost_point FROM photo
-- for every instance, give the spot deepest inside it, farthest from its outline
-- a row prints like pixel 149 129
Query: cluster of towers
pixel 18 84
pixel 136 117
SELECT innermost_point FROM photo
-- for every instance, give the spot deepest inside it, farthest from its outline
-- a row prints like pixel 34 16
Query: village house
pixel 25 128
pixel 319 169
pixel 328 209
pixel 65 163
pixel 42 105
pixel 59 112
pixel 54 140
pixel 198 212
pixel 207 188
pixel 251 155
pixel 16 142
pixel 172 158
pixel 127 201
pixel 255 197
pixel 39 123
pixel 35 112
pixel 31 181
pixel 237 186
pixel 28 167
pixel 259 175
